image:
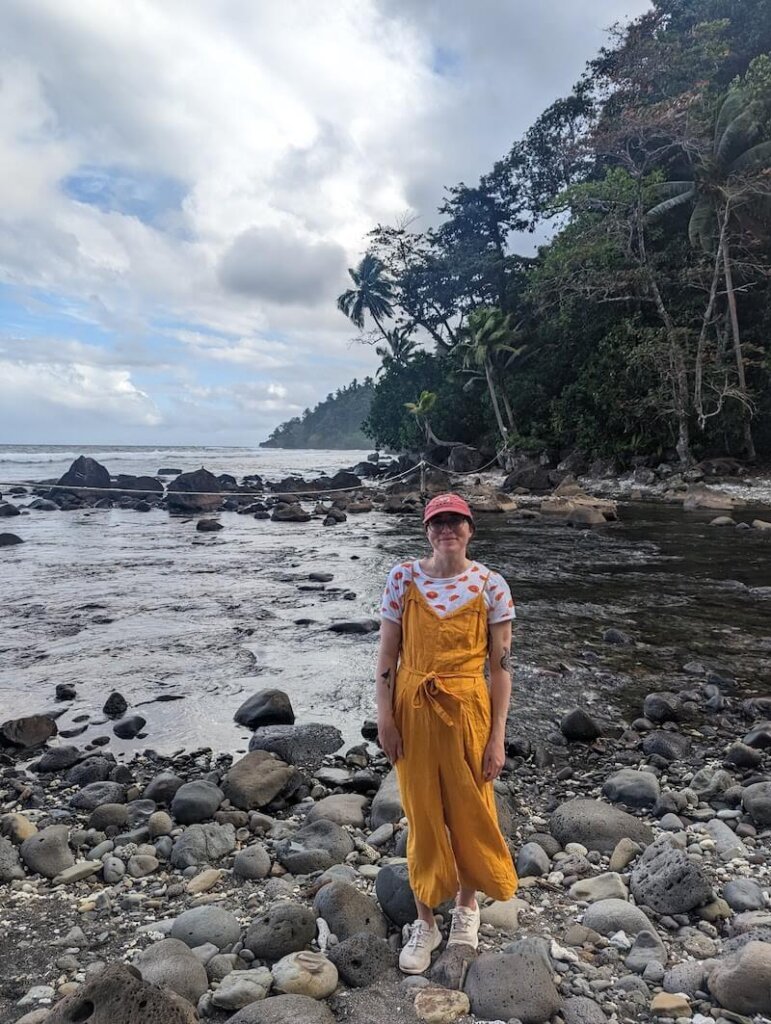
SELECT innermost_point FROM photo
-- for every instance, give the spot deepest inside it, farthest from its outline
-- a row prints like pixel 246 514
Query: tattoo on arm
pixel 506 660
pixel 386 679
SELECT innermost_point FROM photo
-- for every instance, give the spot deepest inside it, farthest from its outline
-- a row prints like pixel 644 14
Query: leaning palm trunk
pixel 507 407
pixel 698 402
pixel 494 400
pixel 749 444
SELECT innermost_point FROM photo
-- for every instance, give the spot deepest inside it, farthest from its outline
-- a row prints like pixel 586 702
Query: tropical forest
pixel 605 285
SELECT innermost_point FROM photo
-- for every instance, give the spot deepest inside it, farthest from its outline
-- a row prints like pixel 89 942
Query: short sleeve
pixel 500 603
pixel 392 604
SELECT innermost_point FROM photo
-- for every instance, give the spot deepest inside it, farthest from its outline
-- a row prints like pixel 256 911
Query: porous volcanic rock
pixel 117 995
pixel 597 825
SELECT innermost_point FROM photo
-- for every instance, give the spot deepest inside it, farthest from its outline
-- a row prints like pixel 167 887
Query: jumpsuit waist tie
pixel 430 691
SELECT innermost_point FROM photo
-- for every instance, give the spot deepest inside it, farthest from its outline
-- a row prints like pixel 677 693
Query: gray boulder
pixel 613 915
pixel 304 745
pixel 727 843
pixel 662 706
pixel 392 888
pixel 97 793
pixel 203 844
pixel 579 727
pixel 252 862
pixel 315 846
pixel 162 788
pixel 117 995
pixel 742 982
pixel 387 803
pixel 597 825
pixel 196 801
pixel 532 861
pixel 29 732
pixel 266 707
pixel 257 779
pixel 756 801
pixel 47 852
pixel 647 947
pixel 668 880
pixel 10 865
pixel 342 808
pixel 582 1010
pixel 361 959
pixel 349 911
pixel 744 894
pixel 672 746
pixel 58 759
pixel 93 769
pixel 515 984
pixel 285 928
pixel 281 1009
pixel 170 964
pixel 690 977
pixel 194 492
pixel 633 788
pixel 206 924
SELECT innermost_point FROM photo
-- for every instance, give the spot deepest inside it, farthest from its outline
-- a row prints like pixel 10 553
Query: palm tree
pixel 373 294
pixel 727 194
pixel 486 338
pixel 398 350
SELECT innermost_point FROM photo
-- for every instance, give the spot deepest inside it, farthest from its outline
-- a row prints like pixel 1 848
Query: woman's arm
pixel 500 694
pixel 385 682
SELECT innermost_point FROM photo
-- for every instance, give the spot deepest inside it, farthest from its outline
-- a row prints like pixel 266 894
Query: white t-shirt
pixel 445 595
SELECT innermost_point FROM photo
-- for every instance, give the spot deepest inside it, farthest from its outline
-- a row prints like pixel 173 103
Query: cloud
pixel 269 264
pixel 191 179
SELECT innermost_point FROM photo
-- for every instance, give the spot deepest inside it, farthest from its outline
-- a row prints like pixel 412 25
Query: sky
pixel 185 182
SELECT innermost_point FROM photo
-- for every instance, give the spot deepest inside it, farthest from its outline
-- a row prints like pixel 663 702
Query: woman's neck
pixel 444 566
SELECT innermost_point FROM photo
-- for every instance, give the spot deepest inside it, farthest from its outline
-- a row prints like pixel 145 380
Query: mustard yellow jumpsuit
pixel 442 710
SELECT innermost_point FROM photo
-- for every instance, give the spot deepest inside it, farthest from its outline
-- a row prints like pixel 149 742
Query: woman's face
pixel 449 532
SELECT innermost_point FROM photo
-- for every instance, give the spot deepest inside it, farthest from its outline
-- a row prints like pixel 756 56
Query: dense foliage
pixel 334 423
pixel 643 325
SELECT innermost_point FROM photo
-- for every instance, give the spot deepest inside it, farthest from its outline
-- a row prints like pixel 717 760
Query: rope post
pixel 422 478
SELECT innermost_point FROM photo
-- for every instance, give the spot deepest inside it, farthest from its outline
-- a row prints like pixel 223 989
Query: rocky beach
pixel 197 822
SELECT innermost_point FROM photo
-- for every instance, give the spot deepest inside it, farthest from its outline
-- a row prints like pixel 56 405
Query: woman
pixel 442 727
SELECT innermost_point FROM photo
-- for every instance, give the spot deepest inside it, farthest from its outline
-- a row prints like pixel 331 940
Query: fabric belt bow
pixel 427 694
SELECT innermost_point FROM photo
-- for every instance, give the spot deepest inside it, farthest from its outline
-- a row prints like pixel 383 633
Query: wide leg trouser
pixel 454 837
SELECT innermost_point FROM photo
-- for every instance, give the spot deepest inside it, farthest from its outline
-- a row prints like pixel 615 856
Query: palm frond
pixel 739 134
pixel 703 226
pixel 758 158
pixel 732 106
pixel 661 209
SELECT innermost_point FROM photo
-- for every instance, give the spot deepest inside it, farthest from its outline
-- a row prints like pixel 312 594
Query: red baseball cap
pixel 447 503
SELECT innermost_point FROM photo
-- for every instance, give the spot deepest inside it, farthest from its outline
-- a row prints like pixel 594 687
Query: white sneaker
pixel 415 956
pixel 464 929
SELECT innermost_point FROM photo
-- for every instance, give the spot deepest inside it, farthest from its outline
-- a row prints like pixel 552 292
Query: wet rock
pixel 196 801
pixel 194 492
pixel 285 928
pixel 633 788
pixel 315 846
pixel 578 726
pixel 617 637
pixel 672 746
pixel 93 769
pixel 115 706
pixel 392 888
pixel 252 862
pixel 26 733
pixel 756 801
pixel 759 737
pixel 280 1009
pixel 662 706
pixel 290 513
pixel 518 983
pixel 8 540
pixel 362 958
pixel 7 510
pixel 668 880
pixel 356 626
pixel 171 964
pixel 305 973
pixel 118 996
pixel 742 982
pixel 65 691
pixel 743 756
pixel 304 745
pixel 203 844
pixel 348 911
pixel 699 496
pixel 597 825
pixel 209 526
pixel 206 924
pixel 266 707
pixel 162 788
pixel 242 988
pixel 129 727
pixel 610 916
pixel 47 852
pixel 84 472
pixel 96 793
pixel 257 779
pixel 58 759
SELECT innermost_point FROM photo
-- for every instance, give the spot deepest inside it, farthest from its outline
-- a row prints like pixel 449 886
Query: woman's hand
pixel 390 739
pixel 494 759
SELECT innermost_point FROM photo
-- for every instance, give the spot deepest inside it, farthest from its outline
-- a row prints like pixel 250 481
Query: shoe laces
pixel 462 918
pixel 418 935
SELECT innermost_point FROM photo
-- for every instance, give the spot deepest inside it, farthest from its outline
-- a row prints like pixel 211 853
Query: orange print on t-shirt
pixel 431 594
